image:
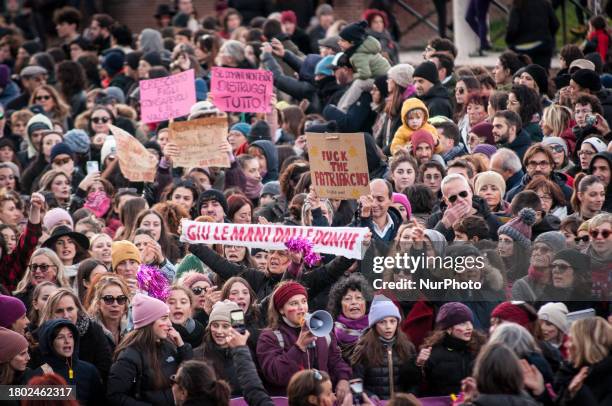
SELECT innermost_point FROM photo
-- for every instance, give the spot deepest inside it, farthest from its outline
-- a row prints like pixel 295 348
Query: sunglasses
pixel 557 148
pixel 198 290
pixel 62 161
pixel 109 299
pixel 41 98
pixel 604 234
pixel 98 120
pixel 562 268
pixel 584 238
pixel 460 90
pixel 43 267
pixel 462 194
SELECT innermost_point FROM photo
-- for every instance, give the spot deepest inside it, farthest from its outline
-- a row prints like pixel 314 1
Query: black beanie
pixel 428 71
pixel 381 84
pixel 153 58
pixel 213 194
pixel 540 76
pixel 588 79
pixel 579 261
pixel 259 131
pixel 132 59
pixel 355 32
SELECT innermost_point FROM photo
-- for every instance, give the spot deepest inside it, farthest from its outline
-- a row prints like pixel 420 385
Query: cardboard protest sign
pixel 338 165
pixel 345 241
pixel 165 98
pixel 199 141
pixel 242 90
pixel 136 163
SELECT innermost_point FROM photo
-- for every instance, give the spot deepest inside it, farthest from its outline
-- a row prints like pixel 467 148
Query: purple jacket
pixel 279 364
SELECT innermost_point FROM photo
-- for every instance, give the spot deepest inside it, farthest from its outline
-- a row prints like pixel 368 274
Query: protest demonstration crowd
pixel 265 206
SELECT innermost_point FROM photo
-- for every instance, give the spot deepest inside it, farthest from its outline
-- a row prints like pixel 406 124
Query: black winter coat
pixel 535 21
pixel 195 337
pixel 95 349
pixel 131 383
pixel 376 379
pixel 358 118
pixel 89 387
pixel 449 363
pixel 221 361
pixel 596 389
pixel 438 101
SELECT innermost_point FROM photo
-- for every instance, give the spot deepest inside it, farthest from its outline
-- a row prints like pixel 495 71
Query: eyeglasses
pixel 110 299
pixel 535 164
pixel 41 98
pixel 453 198
pixel 584 238
pixel 604 234
pixel 546 198
pixel 460 90
pixel 560 268
pixel 198 290
pixel 43 267
pixel 98 120
pixel 62 161
pixel 557 148
pixel 584 152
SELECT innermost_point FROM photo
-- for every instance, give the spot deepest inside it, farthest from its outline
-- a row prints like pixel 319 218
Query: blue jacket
pixel 559 178
pixel 10 92
pixel 513 181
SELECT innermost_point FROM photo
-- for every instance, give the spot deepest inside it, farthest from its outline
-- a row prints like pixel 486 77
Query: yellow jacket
pixel 404 133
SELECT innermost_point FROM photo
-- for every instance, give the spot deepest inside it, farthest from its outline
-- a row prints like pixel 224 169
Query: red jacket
pixel 603 41
pixel 13 265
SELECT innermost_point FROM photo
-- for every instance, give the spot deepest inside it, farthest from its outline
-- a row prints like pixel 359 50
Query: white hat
pixel 555 314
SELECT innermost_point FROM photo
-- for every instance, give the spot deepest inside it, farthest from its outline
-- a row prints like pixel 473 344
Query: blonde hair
pixel 60 278
pixel 47 179
pixel 599 220
pixel 61 108
pixel 557 117
pixel 102 283
pixel 591 341
pixel 47 312
pixel 307 211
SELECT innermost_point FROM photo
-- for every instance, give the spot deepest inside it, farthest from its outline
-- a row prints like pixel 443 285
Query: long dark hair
pixel 529 100
pixel 200 380
pixel 144 341
pixel 168 247
pixel 497 371
pixel 371 352
pixel 84 272
pixel 437 336
pixel 71 79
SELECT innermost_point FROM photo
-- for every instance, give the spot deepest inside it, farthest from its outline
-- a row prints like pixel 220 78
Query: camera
pixel 591 119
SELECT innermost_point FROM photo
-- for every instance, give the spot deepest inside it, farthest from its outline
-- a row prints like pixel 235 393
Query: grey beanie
pixel 381 308
pixel 78 141
pixel 519 228
pixel 271 188
pixel 554 239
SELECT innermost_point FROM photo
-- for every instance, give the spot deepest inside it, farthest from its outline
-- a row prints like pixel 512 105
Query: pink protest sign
pixel 165 98
pixel 242 90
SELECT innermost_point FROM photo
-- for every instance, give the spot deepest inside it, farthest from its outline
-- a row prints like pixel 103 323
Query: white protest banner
pixel 345 241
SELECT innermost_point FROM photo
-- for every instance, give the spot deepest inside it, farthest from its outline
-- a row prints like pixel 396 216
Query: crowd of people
pixel 510 164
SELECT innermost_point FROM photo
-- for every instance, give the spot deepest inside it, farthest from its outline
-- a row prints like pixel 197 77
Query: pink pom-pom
pixel 304 247
pixel 153 281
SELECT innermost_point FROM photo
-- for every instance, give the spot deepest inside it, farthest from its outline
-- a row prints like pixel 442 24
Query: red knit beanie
pixel 508 311
pixel 422 136
pixel 286 292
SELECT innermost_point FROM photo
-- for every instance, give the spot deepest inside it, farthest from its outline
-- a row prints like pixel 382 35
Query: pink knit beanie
pixel 403 200
pixel 11 344
pixel 145 310
pixel 54 216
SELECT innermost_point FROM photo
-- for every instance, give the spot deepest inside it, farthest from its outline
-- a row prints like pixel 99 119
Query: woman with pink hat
pixel 147 357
